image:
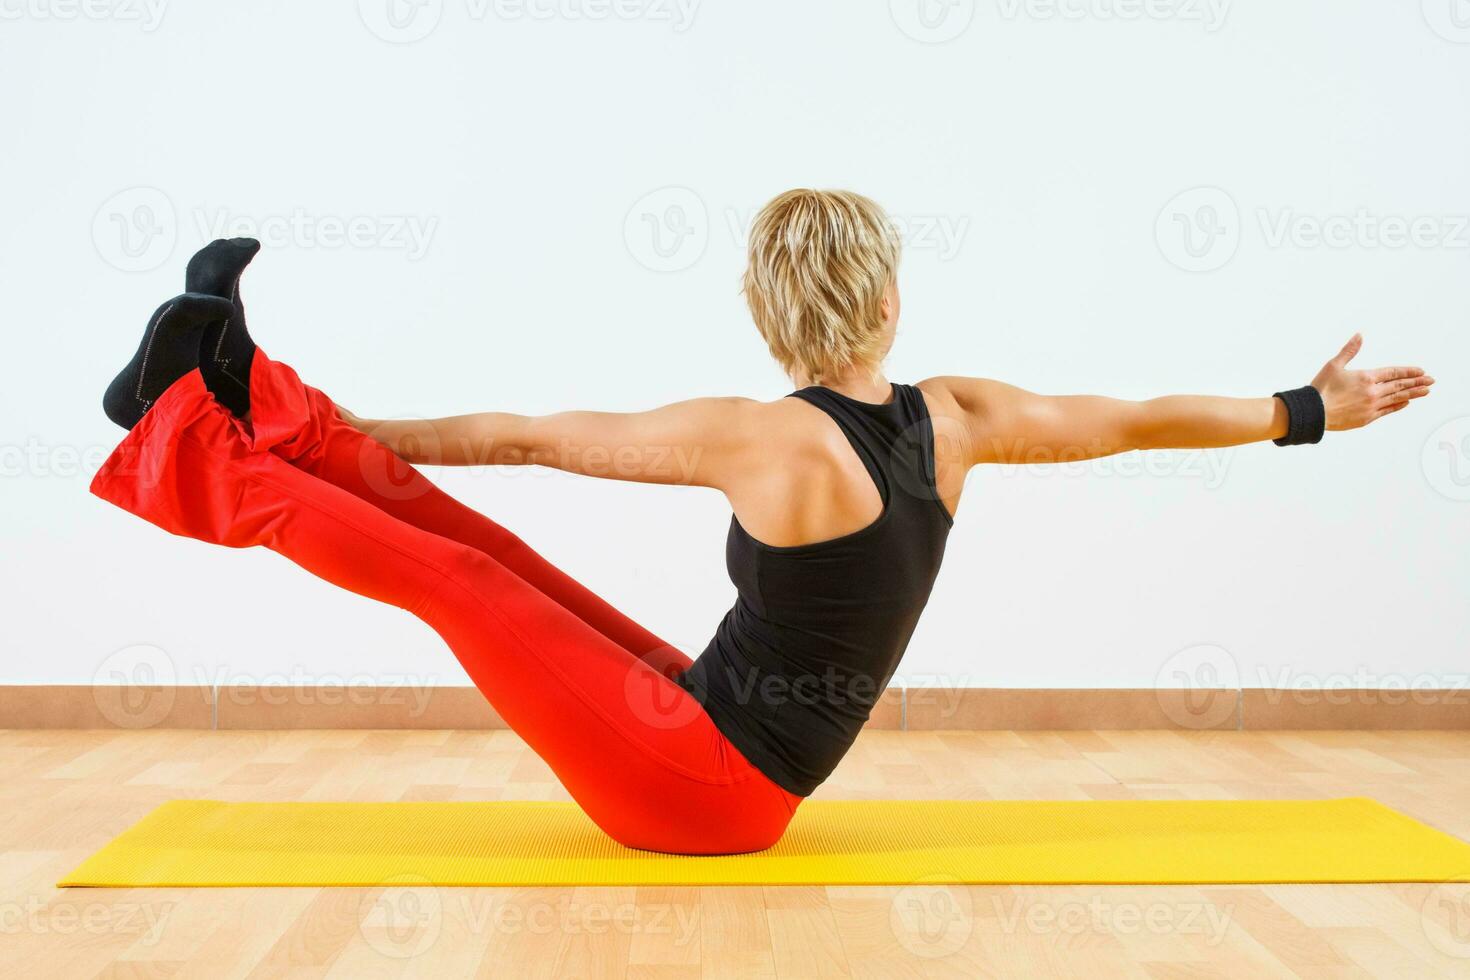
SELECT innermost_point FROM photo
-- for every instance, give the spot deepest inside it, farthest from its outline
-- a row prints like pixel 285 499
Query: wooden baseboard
pixel 105 706
pixel 256 707
pixel 251 707
pixel 1069 709
pixel 1357 709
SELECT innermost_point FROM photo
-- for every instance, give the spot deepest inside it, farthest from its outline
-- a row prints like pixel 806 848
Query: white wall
pixel 1038 160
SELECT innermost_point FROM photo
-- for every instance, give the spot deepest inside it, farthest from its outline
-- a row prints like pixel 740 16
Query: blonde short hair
pixel 819 263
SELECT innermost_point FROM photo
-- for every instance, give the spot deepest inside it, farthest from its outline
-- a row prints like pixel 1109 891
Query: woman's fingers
pixel 1400 393
pixel 1401 397
pixel 1389 410
pixel 1401 384
pixel 1348 352
pixel 1379 375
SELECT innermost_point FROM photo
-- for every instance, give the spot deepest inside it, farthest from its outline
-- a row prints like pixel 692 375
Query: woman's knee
pixel 464 563
pixel 464 578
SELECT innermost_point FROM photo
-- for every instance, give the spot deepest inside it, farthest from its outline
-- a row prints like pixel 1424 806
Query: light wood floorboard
pixel 64 793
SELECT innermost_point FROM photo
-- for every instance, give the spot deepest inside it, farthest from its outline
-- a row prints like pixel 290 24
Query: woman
pixel 843 495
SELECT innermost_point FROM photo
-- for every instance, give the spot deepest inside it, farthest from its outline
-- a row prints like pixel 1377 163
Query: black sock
pixel 227 348
pixel 170 350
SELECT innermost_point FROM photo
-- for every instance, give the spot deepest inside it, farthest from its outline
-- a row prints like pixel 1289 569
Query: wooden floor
pixel 62 794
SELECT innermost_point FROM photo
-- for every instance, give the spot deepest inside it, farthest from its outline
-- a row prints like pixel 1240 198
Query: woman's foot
pixel 169 350
pixel 227 349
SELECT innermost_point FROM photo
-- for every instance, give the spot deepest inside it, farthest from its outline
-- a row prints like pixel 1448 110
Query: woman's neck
pixel 858 383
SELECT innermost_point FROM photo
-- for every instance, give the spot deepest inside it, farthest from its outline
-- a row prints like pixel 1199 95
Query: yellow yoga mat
pixel 203 842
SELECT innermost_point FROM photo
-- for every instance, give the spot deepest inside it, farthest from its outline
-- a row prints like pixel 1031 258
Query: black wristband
pixel 1306 416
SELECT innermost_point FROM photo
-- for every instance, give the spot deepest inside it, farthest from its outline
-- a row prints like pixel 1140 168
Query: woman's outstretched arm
pixel 698 442
pixel 1005 424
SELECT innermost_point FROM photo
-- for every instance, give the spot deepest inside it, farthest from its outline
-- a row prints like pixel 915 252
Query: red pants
pixel 585 686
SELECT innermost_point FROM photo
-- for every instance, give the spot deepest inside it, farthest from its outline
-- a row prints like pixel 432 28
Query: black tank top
pixel 817 630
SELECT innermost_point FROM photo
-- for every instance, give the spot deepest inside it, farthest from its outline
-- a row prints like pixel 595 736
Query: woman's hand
pixel 1355 398
pixel 992 422
pixel 351 419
